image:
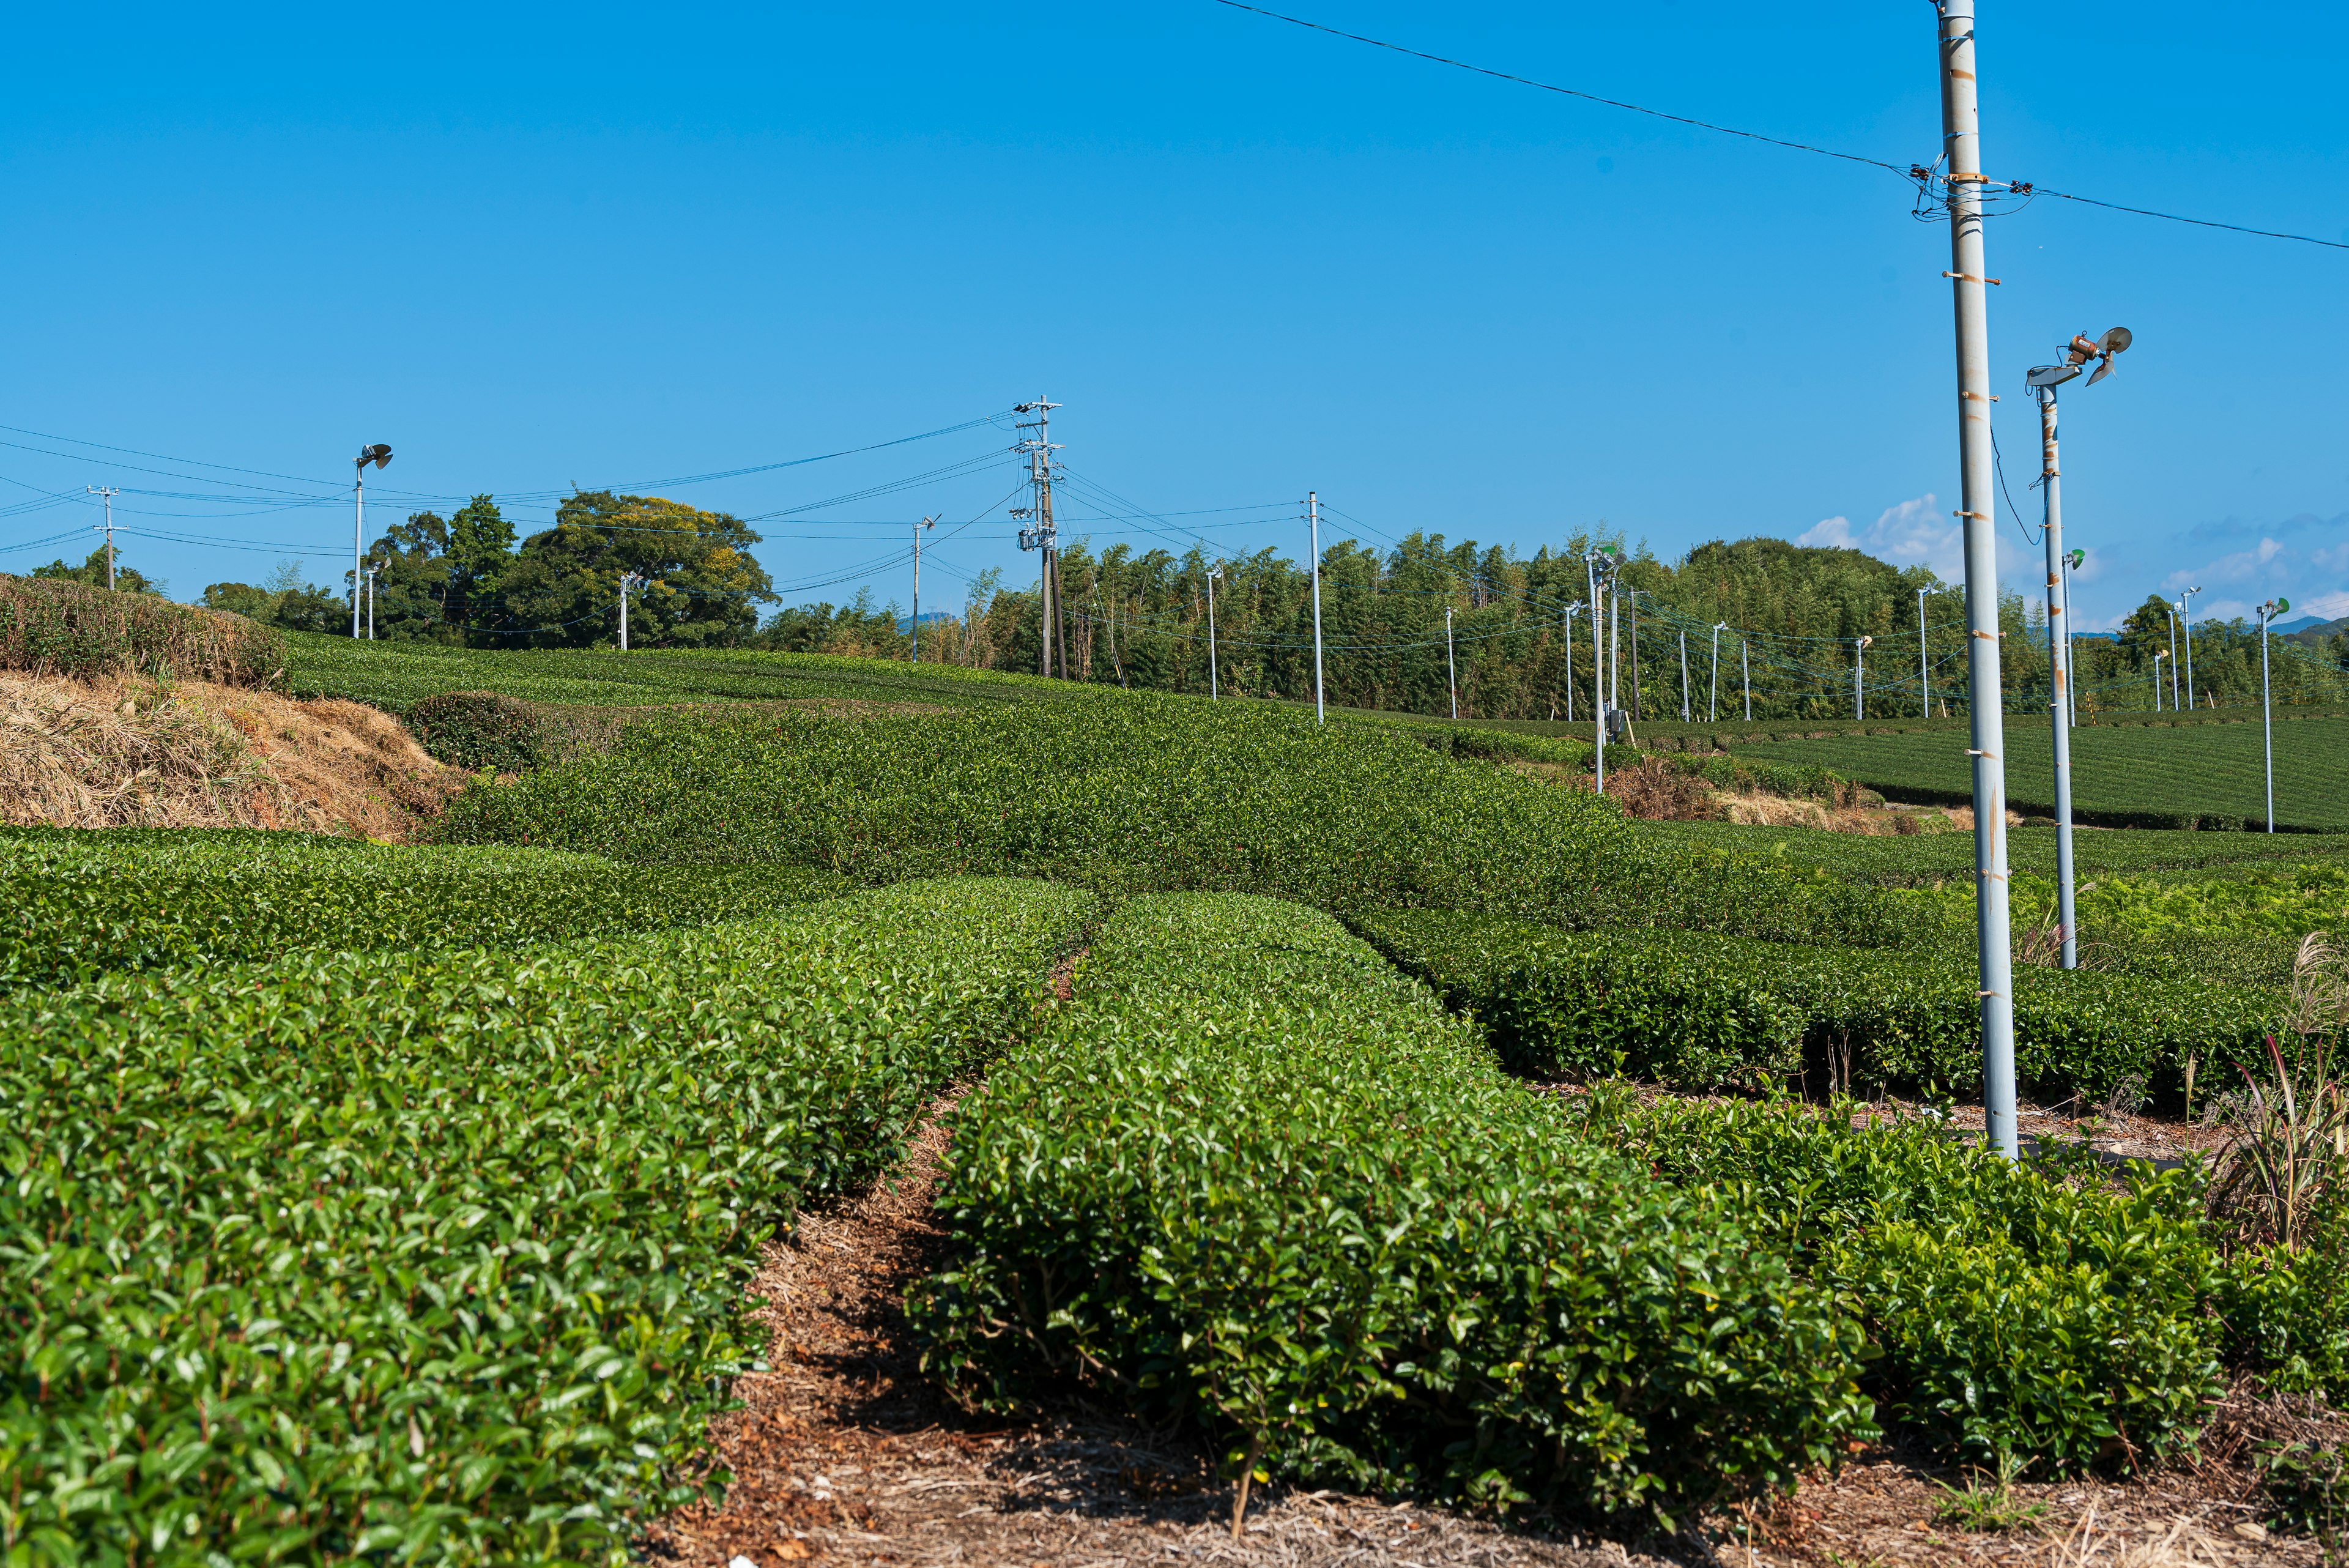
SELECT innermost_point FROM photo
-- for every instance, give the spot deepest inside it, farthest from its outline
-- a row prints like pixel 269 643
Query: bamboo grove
pixel 1789 618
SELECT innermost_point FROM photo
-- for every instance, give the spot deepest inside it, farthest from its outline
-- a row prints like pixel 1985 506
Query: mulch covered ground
pixel 843 1451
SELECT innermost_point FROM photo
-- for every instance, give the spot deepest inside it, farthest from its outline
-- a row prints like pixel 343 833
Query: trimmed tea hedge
pixel 2023 1308
pixel 1255 1179
pixel 1698 1010
pixel 1151 793
pixel 442 1256
pixel 52 627
pixel 75 904
pixel 509 735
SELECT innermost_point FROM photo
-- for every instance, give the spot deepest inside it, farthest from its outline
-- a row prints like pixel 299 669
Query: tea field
pixel 2195 774
pixel 396 1203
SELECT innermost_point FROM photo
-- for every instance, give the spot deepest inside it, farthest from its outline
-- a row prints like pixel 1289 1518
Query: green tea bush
pixel 478 730
pixel 1254 1178
pixel 2287 1313
pixel 2022 1309
pixel 1702 1009
pixel 397 676
pixel 52 627
pixel 1147 794
pixel 75 904
pixel 441 1256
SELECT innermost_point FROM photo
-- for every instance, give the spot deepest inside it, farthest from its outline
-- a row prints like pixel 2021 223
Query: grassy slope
pixel 2202 770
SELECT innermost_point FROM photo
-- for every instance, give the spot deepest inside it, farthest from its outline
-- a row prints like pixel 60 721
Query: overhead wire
pixel 1920 174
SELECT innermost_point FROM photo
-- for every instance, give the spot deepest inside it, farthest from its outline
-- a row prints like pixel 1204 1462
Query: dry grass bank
pixel 130 752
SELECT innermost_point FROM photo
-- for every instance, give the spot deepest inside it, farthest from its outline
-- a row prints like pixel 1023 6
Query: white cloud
pixel 1915 533
pixel 2240 580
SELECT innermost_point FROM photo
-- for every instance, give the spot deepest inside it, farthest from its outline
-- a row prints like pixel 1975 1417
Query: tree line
pixel 1415 627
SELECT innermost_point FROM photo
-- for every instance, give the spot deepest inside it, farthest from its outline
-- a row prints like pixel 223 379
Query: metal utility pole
pixel 108 493
pixel 1859 678
pixel 2173 656
pixel 926 523
pixel 1615 646
pixel 628 580
pixel 2072 560
pixel 1041 536
pixel 1639 709
pixel 1746 674
pixel 1451 667
pixel 1214 692
pixel 2045 380
pixel 2186 619
pixel 1969 286
pixel 1313 522
pixel 1570 612
pixel 1684 682
pixel 373 567
pixel 2268 612
pixel 2158 656
pixel 1713 690
pixel 378 454
pixel 1598 671
pixel 1924 676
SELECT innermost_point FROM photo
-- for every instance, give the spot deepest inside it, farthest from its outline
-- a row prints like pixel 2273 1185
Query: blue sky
pixel 535 248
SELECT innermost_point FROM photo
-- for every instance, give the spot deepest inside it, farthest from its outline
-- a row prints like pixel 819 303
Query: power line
pixel 1898 169
pixel 1919 173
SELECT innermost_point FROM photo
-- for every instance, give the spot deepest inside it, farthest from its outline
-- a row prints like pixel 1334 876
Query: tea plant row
pixel 74 905
pixel 1254 1177
pixel 1154 794
pixel 441 1255
pixel 1700 1009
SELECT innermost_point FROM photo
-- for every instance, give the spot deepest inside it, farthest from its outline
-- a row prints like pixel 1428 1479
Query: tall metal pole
pixel 1313 520
pixel 2173 656
pixel 1598 672
pixel 1960 141
pixel 918 527
pixel 1859 678
pixel 1924 675
pixel 1615 647
pixel 2267 713
pixel 370 577
pixel 1570 610
pixel 1746 674
pixel 1451 667
pixel 2059 666
pixel 108 493
pixel 1712 689
pixel 2186 619
pixel 358 527
pixel 2158 656
pixel 2071 652
pixel 1684 681
pixel 624 610
pixel 1215 690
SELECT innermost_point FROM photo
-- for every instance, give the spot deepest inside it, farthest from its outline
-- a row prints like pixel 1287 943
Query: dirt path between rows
pixel 845 1451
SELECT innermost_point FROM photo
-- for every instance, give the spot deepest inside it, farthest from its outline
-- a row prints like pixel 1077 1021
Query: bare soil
pixel 140 753
pixel 844 1451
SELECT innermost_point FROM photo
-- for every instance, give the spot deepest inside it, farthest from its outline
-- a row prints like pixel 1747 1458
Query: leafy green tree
pixel 126 579
pixel 480 548
pixel 703 585
pixel 284 600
